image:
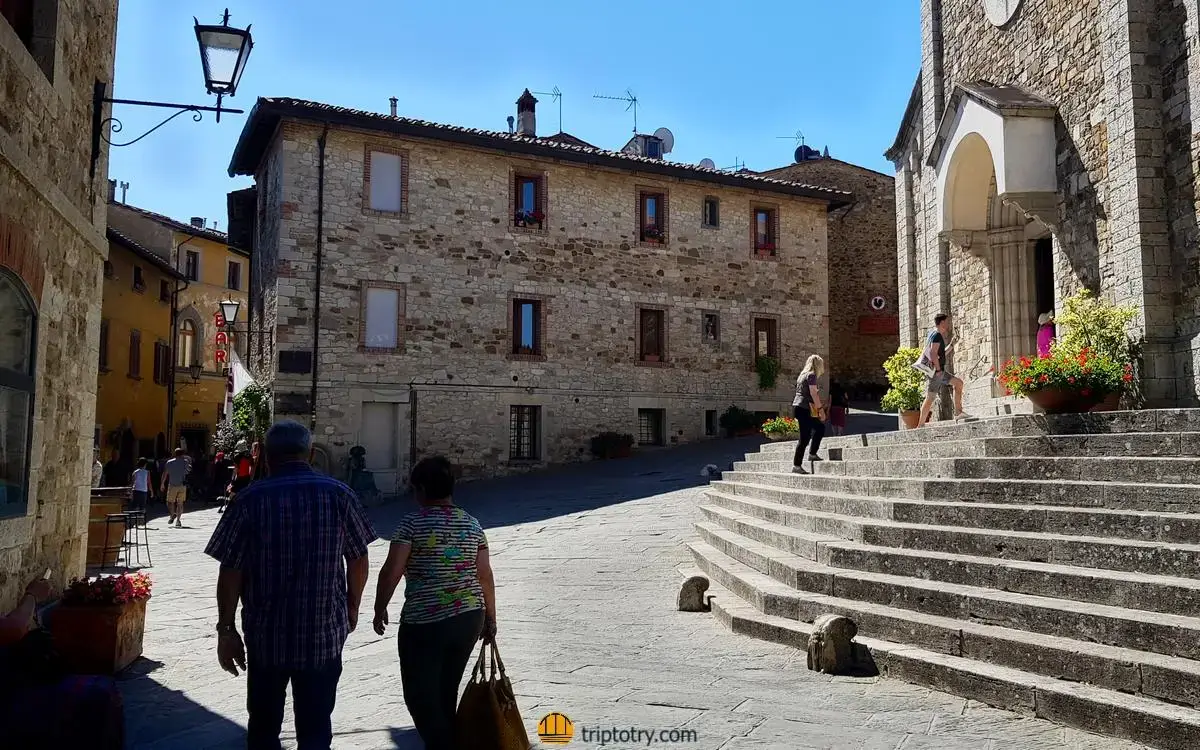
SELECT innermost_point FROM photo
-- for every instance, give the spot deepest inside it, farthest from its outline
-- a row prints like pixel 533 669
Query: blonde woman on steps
pixel 809 411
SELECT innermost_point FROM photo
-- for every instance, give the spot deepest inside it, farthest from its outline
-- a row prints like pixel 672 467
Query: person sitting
pixel 41 706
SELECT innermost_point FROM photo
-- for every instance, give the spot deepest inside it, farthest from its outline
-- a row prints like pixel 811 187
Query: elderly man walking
pixel 293 549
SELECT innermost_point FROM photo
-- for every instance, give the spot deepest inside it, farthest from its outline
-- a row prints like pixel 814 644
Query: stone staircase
pixel 1048 565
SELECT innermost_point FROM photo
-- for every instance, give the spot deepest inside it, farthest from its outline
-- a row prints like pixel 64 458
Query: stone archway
pixel 997 198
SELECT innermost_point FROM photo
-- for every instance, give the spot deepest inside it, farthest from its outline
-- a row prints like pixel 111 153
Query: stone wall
pixel 862 266
pixel 458 262
pixel 51 237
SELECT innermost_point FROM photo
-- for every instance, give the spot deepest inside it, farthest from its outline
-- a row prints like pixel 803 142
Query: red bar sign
pixel 878 325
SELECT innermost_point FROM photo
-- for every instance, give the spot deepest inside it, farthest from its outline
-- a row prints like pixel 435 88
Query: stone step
pixel 1115 469
pixel 736 564
pixel 1165 498
pixel 1073 520
pixel 1132 717
pixel 1146 445
pixel 1154 558
pixel 1149 420
pixel 1155 593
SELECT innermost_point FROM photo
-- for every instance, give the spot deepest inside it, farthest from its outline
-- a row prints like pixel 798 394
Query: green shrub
pixel 736 419
pixel 906 383
pixel 1094 324
pixel 609 444
pixel 768 372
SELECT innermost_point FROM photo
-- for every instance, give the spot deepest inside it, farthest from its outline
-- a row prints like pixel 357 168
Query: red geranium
pixel 108 590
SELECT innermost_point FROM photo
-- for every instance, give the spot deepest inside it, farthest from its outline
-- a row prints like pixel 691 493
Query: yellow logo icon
pixel 555 729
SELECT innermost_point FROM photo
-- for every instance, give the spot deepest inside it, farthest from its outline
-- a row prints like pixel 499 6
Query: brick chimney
pixel 526 120
pixel 198 222
pixel 112 191
pixel 393 101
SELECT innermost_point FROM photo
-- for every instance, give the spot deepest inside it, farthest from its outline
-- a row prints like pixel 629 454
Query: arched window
pixel 17 326
pixel 186 346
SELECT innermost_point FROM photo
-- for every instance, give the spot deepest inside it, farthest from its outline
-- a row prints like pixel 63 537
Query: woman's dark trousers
pixel 811 429
pixel 433 658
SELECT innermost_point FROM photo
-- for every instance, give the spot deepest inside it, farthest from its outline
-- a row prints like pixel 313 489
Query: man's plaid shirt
pixel 289 535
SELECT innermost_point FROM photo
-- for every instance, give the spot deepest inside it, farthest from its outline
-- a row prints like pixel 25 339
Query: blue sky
pixel 727 78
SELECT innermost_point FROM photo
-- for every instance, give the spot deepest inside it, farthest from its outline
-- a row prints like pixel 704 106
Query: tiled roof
pixel 179 226
pixel 144 253
pixel 566 138
pixel 268 112
pixel 796 168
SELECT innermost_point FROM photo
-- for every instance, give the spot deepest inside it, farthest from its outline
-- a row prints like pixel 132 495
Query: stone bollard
pixel 691 596
pixel 829 647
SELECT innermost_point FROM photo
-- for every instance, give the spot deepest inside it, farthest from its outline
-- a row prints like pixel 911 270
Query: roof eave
pixel 268 113
pixel 906 123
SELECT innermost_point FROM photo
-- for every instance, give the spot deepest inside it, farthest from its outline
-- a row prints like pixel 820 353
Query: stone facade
pixel 863 317
pixel 1101 92
pixel 456 263
pixel 52 243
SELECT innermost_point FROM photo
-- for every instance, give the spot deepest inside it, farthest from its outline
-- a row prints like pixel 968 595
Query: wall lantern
pixel 229 309
pixel 224 51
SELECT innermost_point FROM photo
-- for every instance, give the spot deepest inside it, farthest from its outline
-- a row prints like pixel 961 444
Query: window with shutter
pixel 135 354
pixel 651 335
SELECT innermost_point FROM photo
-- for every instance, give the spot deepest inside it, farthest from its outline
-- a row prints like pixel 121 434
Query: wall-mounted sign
pixel 878 325
pixel 220 340
pixel 878 303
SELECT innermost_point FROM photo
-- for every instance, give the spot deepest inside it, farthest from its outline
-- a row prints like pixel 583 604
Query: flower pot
pixel 911 418
pixel 98 639
pixel 1059 401
pixel 779 437
pixel 650 358
pixel 622 451
pixel 746 432
pixel 1111 402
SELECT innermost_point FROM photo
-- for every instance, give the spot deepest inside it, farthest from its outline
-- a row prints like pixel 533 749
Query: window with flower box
pixel 764 231
pixel 652 217
pixel 528 200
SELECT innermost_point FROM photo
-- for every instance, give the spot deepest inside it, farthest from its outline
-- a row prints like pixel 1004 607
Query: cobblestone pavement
pixel 588 563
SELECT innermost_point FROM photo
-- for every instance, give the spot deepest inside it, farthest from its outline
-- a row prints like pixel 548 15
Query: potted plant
pixel 98 626
pixel 1094 324
pixel 1063 383
pixel 737 422
pixel 612 445
pixel 768 372
pixel 653 234
pixel 764 249
pixel 781 428
pixel 905 386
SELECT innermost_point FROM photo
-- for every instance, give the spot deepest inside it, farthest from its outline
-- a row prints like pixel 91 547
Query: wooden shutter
pixel 664 221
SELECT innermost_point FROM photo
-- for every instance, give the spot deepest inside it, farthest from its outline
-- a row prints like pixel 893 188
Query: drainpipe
pixel 412 426
pixel 316 346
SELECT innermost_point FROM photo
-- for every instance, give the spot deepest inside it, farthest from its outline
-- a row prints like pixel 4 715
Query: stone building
pixel 502 298
pixel 52 247
pixel 1047 147
pixel 863 322
pixel 212 271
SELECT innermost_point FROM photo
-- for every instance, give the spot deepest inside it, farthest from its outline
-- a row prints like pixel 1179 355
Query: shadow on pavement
pixel 169 719
pixel 590 485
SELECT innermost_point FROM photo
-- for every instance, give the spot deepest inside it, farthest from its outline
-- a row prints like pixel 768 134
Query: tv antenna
pixel 629 97
pixel 798 138
pixel 737 164
pixel 555 96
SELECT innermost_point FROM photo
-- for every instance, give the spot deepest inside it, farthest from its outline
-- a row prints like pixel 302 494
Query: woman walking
pixel 809 412
pixel 449 601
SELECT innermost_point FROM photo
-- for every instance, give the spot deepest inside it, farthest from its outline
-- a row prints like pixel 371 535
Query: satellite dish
pixel 667 138
pixel 708 164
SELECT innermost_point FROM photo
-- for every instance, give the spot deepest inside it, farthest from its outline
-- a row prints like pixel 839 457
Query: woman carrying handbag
pixel 809 412
pixel 449 600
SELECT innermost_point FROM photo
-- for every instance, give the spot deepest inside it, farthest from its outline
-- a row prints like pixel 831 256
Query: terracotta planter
pixel 746 432
pixel 650 358
pixel 98 639
pixel 623 451
pixel 1111 402
pixel 1058 401
pixel 780 437
pixel 911 418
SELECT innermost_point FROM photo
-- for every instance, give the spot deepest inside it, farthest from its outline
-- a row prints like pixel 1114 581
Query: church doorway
pixel 1043 274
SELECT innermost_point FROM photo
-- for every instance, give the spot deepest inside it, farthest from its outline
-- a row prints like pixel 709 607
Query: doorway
pixel 194 441
pixel 1043 274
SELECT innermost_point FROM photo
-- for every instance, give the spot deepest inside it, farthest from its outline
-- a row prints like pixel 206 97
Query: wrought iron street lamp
pixel 195 370
pixel 224 51
pixel 229 311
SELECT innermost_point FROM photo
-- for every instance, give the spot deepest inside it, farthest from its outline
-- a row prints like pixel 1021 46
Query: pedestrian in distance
pixel 449 600
pixel 293 550
pixel 174 486
pixel 140 494
pixel 809 411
